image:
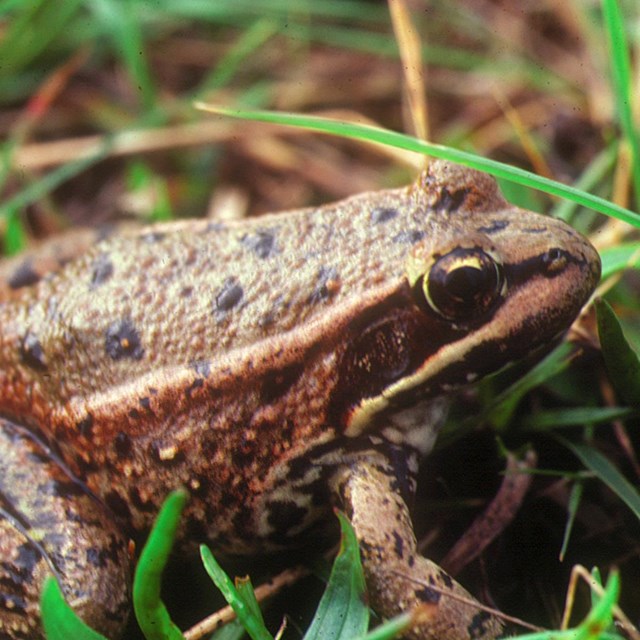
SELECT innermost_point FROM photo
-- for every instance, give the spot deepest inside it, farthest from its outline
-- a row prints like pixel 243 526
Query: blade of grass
pixel 575 416
pixel 151 614
pixel 501 409
pixel 234 11
pixel 620 358
pixel 595 624
pixel 572 510
pixel 391 628
pixel 59 619
pixel 123 23
pixel 606 472
pixel 249 41
pixel 31 31
pixel 404 141
pixel 342 612
pixel 600 166
pixel 619 258
pixel 621 72
pixel 252 624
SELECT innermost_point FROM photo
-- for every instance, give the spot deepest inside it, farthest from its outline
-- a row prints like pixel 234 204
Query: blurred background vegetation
pixel 98 125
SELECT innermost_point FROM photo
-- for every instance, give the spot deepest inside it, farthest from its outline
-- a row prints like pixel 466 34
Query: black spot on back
pixel 102 270
pixel 262 243
pixel 229 295
pixel 382 214
pixel 32 353
pixel 409 237
pixel 325 287
pixel 152 237
pixel 214 227
pixel 122 340
pixel 24 275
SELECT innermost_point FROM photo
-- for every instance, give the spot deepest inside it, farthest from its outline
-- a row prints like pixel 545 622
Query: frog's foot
pixel 398 577
pixel 50 526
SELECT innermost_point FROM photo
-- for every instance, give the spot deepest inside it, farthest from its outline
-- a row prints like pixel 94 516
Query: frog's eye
pixel 463 285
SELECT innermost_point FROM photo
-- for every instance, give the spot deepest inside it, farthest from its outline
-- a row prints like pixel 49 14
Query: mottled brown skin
pixel 274 367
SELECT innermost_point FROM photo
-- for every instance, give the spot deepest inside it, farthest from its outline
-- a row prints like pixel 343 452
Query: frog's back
pixel 177 294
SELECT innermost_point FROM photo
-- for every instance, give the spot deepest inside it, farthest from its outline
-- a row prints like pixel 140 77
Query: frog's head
pixel 488 286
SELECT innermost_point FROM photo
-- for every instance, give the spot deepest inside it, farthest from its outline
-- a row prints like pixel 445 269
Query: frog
pixel 276 368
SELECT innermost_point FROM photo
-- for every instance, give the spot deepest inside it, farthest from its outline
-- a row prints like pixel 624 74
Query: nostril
pixel 554 260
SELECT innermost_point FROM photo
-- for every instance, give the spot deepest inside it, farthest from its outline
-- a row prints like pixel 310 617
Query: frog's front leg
pixel 398 577
pixel 49 525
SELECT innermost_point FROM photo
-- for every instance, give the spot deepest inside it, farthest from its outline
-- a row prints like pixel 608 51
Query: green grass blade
pixel 239 11
pixel 575 416
pixel 31 31
pixel 15 238
pixel 619 258
pixel 501 409
pixel 59 619
pixel 593 460
pixel 572 511
pixel 121 20
pixel 404 141
pixel 621 360
pixel 622 84
pixel 391 628
pixel 231 631
pixel 342 612
pixel 597 169
pixel 249 41
pixel 152 615
pixel 595 624
pixel 253 624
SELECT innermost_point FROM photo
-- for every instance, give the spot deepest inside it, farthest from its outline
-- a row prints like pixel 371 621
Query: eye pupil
pixel 464 282
pixel 464 285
